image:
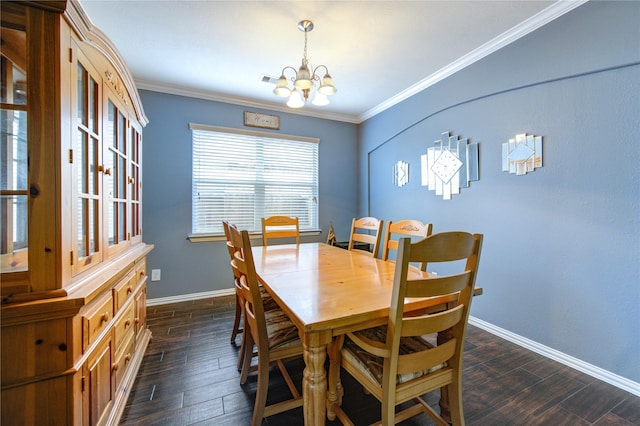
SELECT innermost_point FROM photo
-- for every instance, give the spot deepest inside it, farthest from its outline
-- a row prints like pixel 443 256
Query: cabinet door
pixel 141 309
pixel 116 159
pixel 98 384
pixel 135 182
pixel 14 183
pixel 87 161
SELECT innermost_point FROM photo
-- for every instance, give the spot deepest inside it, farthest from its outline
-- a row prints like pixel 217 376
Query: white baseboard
pixel 591 370
pixel 192 296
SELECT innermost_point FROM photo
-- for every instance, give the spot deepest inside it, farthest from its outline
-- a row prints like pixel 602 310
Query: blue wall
pixel 560 262
pixel 188 267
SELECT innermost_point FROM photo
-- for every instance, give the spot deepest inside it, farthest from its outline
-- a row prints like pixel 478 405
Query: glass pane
pixel 122 228
pixel 13 158
pixel 115 176
pixel 14 243
pixel 121 133
pixel 93 226
pixel 112 223
pixel 92 166
pixel 82 227
pixel 93 105
pixel 81 153
pixel 122 175
pixel 82 95
pixel 14 65
pixel 109 137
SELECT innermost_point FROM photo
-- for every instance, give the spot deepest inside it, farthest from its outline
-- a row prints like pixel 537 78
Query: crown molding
pixel 525 27
pixel 235 100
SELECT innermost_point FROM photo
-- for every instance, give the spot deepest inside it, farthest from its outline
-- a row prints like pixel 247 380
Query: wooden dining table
pixel 328 291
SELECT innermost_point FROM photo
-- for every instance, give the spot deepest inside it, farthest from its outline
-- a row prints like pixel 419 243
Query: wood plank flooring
pixel 189 377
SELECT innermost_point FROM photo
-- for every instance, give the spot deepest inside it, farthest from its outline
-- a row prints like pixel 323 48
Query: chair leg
pixel 261 391
pixel 241 352
pixel 247 354
pixel 236 321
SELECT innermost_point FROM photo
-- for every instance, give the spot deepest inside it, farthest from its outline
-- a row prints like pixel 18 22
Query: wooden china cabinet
pixel 73 273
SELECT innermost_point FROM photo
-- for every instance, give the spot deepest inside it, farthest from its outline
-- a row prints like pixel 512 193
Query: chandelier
pixel 305 78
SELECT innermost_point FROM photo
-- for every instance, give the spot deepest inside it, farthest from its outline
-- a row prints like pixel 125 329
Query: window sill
pixel 205 238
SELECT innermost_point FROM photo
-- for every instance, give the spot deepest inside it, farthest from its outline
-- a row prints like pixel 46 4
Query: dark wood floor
pixel 189 377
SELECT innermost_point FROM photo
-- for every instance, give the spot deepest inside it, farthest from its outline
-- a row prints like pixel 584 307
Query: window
pixel 242 176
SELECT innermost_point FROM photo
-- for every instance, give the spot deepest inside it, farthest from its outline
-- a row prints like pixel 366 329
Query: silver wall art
pixel 400 173
pixel 522 154
pixel 450 165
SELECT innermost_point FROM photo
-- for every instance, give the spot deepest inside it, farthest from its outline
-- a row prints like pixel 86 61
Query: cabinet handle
pixel 105 317
pixel 104 170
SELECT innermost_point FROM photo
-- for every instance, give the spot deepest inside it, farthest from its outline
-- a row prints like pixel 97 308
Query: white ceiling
pixel 378 52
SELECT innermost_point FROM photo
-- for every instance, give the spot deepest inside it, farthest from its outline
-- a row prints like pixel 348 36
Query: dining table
pixel 327 291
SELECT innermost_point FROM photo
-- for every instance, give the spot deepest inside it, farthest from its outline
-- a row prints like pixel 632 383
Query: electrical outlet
pixel 155 275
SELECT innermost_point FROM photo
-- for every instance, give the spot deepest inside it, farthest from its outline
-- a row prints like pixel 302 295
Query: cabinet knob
pixel 127 358
pixel 129 290
pixel 141 274
pixel 103 169
pixel 114 366
pixel 130 179
pixel 105 317
pixel 127 323
pixel 137 320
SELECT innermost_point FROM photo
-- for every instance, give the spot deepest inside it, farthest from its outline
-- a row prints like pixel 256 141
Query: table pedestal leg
pixel 314 382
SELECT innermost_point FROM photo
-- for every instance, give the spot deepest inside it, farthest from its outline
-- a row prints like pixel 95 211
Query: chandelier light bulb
pixel 282 87
pixel 295 100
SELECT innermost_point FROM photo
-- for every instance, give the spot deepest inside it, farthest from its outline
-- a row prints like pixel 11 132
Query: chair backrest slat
pixel 406 227
pixel 366 230
pixel 280 227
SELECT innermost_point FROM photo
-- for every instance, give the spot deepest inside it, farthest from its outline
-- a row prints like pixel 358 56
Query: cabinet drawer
pixel 123 291
pixel 95 319
pixel 124 325
pixel 123 358
pixel 141 270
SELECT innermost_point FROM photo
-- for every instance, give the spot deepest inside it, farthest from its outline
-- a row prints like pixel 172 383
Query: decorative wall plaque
pixel 257 119
pixel 522 154
pixel 450 166
pixel 400 173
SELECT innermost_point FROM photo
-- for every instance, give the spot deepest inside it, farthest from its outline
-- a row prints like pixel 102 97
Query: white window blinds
pixel 242 176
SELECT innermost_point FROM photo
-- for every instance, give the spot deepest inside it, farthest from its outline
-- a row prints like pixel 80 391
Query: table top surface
pixel 322 287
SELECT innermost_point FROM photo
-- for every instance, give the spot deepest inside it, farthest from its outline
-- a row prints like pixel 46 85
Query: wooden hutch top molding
pixel 84 28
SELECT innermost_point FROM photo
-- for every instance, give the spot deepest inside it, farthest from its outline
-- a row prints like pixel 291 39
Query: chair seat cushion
pixel 372 365
pixel 280 330
pixel 267 301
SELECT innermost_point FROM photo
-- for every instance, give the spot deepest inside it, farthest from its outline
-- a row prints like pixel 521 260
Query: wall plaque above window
pixel 265 121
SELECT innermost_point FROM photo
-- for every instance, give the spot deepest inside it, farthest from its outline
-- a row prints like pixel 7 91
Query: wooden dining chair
pixel 267 300
pixel 395 362
pixel 366 230
pixel 280 227
pixel 407 227
pixel 269 330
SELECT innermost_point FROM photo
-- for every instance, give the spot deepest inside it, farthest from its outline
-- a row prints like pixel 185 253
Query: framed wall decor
pixel 265 121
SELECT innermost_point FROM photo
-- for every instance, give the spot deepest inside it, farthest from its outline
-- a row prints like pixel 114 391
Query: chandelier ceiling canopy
pixel 305 78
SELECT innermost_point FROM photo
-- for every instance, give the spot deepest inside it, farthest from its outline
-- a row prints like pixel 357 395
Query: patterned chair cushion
pixel 372 365
pixel 281 331
pixel 267 301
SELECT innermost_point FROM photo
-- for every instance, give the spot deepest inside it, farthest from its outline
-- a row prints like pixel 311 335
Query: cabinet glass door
pixel 116 180
pixel 14 182
pixel 135 182
pixel 87 159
